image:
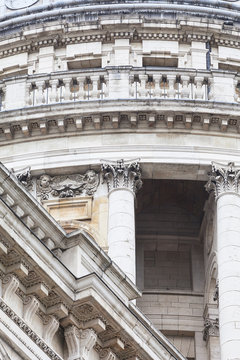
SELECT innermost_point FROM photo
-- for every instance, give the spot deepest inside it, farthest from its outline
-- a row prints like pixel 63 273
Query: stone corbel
pixel 30 306
pixel 50 327
pixel 79 342
pixel 10 284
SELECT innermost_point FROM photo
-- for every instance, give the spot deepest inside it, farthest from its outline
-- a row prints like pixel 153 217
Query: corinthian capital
pixel 122 174
pixel 224 178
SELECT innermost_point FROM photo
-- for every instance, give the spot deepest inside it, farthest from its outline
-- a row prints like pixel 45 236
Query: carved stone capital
pixel 224 178
pixel 211 328
pixel 79 342
pixel 122 174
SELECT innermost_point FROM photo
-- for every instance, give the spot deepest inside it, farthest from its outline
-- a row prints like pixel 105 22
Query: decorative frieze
pixel 122 174
pixel 224 178
pixel 67 186
pixel 79 342
pixel 211 328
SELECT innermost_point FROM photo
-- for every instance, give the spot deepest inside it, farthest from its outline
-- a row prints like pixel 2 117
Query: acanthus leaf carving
pixel 66 186
pixel 25 178
pixel 125 174
pixel 211 328
pixel 224 178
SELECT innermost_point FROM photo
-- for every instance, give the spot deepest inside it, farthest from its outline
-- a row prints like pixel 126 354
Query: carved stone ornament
pixel 211 328
pixel 125 174
pixel 67 185
pixel 216 293
pixel 25 178
pixel 19 4
pixel 224 178
pixel 79 342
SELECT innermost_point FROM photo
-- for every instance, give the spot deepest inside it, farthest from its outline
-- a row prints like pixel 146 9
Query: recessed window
pixel 168 270
pixel 229 67
pixel 160 62
pixel 84 64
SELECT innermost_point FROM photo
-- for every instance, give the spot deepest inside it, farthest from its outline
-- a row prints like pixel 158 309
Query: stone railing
pixel 119 83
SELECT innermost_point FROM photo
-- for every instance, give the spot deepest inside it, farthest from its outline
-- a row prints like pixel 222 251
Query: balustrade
pixel 140 83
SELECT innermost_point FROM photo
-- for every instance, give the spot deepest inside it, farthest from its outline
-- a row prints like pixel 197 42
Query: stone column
pixel 123 180
pixel 225 181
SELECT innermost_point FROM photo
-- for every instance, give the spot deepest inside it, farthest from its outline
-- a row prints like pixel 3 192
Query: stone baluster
pixel 40 99
pixel 29 94
pixel 2 96
pixel 80 81
pixel 142 88
pixel 171 86
pixel 106 86
pixel 157 90
pixel 224 180
pixel 123 180
pixel 53 97
pixel 132 86
pixel 199 91
pixel 185 91
pixel 67 92
pixel 95 91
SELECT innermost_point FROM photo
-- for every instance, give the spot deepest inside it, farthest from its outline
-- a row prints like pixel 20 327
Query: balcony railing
pixel 120 83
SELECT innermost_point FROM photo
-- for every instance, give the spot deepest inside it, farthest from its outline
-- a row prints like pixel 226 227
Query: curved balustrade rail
pixel 120 83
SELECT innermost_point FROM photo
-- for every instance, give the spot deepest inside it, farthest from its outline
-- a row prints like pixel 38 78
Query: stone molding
pixel 211 328
pixel 224 179
pixel 122 174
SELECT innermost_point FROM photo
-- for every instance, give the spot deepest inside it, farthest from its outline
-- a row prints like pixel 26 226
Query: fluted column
pixel 123 180
pixel 224 180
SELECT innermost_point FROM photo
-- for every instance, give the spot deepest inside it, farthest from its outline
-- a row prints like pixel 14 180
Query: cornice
pixel 154 116
pixel 60 37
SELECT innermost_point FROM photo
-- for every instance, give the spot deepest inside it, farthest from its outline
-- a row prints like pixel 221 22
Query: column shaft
pixel 228 233
pixel 121 230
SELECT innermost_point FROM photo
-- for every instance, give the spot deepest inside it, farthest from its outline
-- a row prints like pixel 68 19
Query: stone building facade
pixel 119 180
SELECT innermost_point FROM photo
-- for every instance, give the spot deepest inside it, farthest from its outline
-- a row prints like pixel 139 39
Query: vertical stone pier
pixel 225 181
pixel 123 180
